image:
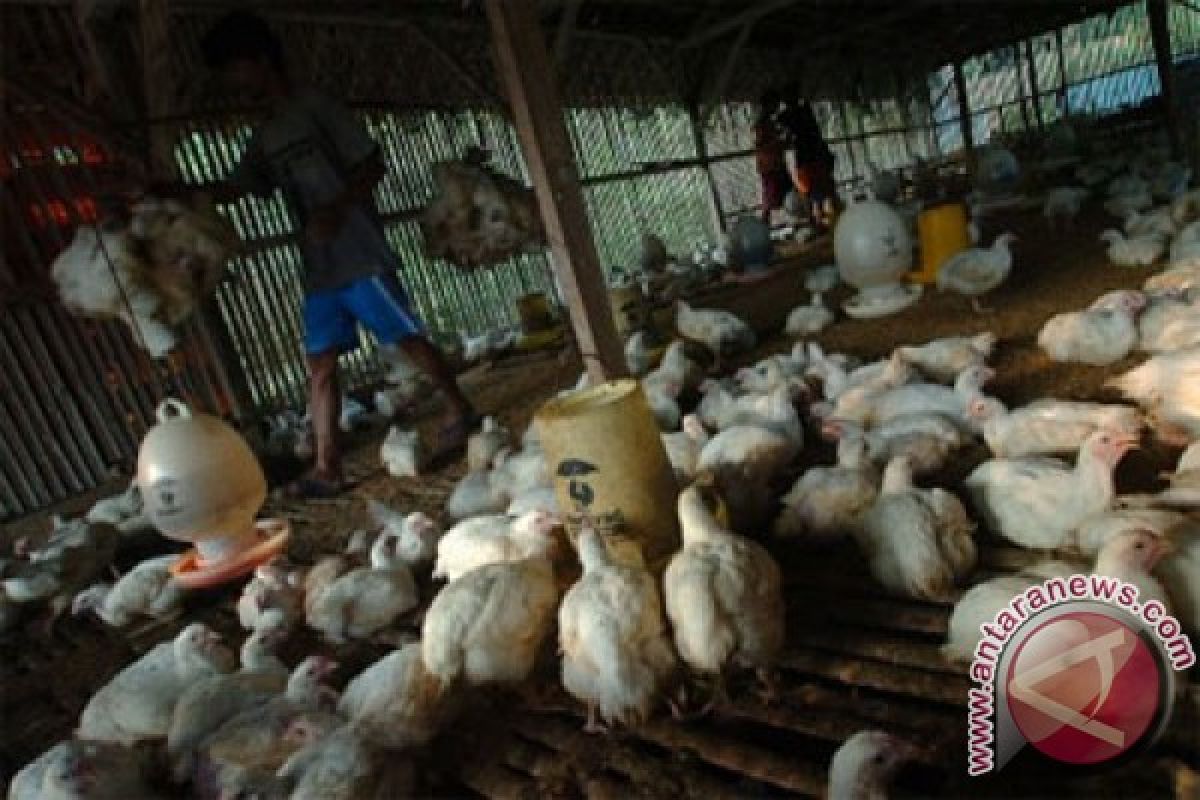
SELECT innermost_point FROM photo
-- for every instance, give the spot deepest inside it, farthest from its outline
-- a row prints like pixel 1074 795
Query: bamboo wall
pixel 77 395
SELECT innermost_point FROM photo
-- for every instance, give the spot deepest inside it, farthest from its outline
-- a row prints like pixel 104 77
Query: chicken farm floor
pixel 855 657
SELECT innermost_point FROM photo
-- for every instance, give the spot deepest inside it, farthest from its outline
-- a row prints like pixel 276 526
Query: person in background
pixel 321 157
pixel 812 160
pixel 769 156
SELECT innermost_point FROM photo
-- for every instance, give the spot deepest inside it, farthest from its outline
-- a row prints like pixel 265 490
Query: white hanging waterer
pixel 874 252
pixel 201 483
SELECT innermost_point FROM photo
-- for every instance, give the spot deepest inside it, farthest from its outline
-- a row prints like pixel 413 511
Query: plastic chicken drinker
pixel 202 484
pixel 873 249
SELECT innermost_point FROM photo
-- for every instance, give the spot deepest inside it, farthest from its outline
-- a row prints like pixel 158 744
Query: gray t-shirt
pixel 308 147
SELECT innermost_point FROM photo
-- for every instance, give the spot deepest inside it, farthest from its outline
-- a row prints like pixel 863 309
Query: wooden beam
pixel 1160 35
pixel 157 83
pixel 1062 72
pixel 528 76
pixel 750 15
pixel 964 115
pixel 714 206
pixel 1034 89
pixel 566 27
pixel 715 92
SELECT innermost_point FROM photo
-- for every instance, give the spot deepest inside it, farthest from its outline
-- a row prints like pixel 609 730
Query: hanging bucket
pixel 628 308
pixel 534 312
pixel 608 464
pixel 942 231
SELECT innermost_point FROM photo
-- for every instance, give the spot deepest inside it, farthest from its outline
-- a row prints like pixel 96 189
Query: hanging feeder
pixel 201 483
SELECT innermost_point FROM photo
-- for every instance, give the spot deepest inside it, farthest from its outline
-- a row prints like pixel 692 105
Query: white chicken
pixel 340 764
pixel 272 598
pixel 1096 530
pixel 944 359
pixel 742 460
pixel 616 653
pixel 492 539
pixel 723 333
pixel 517 472
pixel 917 541
pixel 402 453
pixel 416 533
pixel 149 589
pixel 477 492
pixel 84 770
pixel 977 271
pixel 1133 251
pixel 1095 336
pixel 637 353
pixel 1038 502
pixel 1167 387
pixel 488 626
pixel 1063 203
pixel 365 601
pixel 1131 557
pixel 982 602
pixel 926 439
pixel 210 702
pixel 395 702
pixel 864 765
pixel 1048 426
pixel 1158 222
pixel 542 498
pixel 483 445
pixel 684 448
pixel 826 503
pixel 922 398
pixel 124 511
pixel 723 593
pixel 138 702
pixel 1169 322
pixel 810 319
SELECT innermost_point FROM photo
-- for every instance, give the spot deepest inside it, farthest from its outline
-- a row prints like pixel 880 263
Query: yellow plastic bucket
pixel 607 460
pixel 942 231
pixel 534 312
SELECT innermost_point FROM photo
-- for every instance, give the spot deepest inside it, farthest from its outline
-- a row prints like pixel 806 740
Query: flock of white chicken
pixel 629 642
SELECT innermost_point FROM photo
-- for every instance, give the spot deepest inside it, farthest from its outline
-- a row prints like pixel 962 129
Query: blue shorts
pixel 377 302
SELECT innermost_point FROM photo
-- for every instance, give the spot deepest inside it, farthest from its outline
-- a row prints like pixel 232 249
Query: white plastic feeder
pixel 874 251
pixel 201 483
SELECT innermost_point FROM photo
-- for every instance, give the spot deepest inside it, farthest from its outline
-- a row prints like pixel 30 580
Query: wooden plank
pixel 964 115
pixel 1034 90
pixel 566 27
pixel 525 68
pixel 156 82
pixel 750 15
pixel 1160 35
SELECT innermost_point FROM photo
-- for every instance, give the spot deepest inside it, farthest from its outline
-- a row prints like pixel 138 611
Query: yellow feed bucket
pixel 943 232
pixel 606 456
pixel 534 313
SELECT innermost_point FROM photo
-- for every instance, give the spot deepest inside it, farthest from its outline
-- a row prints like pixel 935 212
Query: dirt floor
pixel 856 657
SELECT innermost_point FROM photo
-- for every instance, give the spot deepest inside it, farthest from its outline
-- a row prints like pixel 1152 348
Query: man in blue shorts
pixel 321 157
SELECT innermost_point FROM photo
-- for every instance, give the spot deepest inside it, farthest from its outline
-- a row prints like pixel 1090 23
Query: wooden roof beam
pixel 747 17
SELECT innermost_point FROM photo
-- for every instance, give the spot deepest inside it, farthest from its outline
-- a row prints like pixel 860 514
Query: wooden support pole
pixel 1021 95
pixel 715 210
pixel 530 83
pixel 566 27
pixel 964 116
pixel 1160 34
pixel 157 83
pixel 1034 89
pixel 1062 73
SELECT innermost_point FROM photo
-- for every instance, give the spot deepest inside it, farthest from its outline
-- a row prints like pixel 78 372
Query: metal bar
pixel 21 468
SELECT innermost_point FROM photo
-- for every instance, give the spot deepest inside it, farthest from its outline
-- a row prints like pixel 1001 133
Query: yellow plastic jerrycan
pixel 942 231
